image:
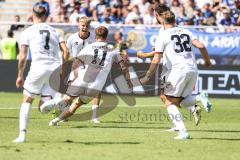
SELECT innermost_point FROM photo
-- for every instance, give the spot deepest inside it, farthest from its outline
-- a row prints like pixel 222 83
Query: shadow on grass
pixel 7 147
pixel 126 122
pixel 213 130
pixel 220 139
pixel 127 127
pixel 8 117
pixel 96 143
pixel 18 118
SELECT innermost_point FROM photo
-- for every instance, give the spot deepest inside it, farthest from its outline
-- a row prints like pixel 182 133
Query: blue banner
pixel 218 44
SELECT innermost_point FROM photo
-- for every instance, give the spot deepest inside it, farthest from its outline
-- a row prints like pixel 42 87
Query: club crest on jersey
pixel 138 40
pixel 76 43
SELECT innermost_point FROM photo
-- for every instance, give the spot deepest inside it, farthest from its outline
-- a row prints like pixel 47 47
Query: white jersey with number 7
pixel 43 42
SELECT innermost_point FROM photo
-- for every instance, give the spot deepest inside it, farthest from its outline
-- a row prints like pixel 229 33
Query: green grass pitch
pixel 126 133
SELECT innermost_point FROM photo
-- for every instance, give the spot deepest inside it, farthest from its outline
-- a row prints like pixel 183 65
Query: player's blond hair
pixel 85 20
pixel 169 17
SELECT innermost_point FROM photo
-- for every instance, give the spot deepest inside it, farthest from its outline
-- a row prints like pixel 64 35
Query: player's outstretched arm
pixel 203 51
pixel 141 54
pixel 65 51
pixel 125 72
pixel 77 62
pixel 21 65
pixel 152 69
pixel 65 57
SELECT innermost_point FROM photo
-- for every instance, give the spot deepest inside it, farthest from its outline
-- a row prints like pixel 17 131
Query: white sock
pixel 176 117
pixel 56 120
pixel 94 111
pixel 23 118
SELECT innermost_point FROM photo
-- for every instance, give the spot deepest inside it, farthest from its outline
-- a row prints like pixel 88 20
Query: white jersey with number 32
pixel 176 45
pixel 43 42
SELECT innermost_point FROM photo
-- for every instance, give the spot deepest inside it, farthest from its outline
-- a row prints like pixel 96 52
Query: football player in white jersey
pixel 45 44
pixel 95 64
pixel 166 66
pixel 181 78
pixel 76 42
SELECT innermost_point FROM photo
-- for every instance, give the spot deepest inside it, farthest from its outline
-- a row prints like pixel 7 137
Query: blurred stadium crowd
pixel 188 12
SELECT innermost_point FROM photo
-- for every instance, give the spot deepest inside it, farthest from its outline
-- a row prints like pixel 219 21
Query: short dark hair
pixel 10 33
pixel 161 9
pixel 40 11
pixel 169 17
pixel 101 32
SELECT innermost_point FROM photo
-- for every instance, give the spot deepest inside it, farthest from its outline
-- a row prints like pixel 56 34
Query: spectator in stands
pixel 149 17
pixel 139 11
pixel 56 8
pixel 106 17
pixel 125 13
pixel 61 17
pixel 125 3
pixel 134 16
pixel 201 3
pixel 45 4
pixel 198 17
pixel 143 6
pixel 227 20
pixel 209 18
pixel 15 27
pixel 229 3
pixel 9 47
pixel 70 7
pixel 163 2
pixel 100 7
pixel 207 13
pixel 190 7
pixel 155 3
pixel 176 7
pixel 115 3
pixel 77 13
pixel 219 13
pixel 87 8
pixel 182 18
pixel 116 14
pixel 236 12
